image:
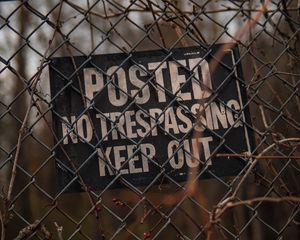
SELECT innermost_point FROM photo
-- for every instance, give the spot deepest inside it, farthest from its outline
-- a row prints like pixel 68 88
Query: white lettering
pixel 104 161
pixel 170 121
pixel 188 123
pixel 93 82
pixel 148 151
pixel 117 88
pixel 233 104
pixel 67 130
pixel 120 159
pixel 144 92
pixel 172 148
pixel 84 128
pixel 130 124
pixel 218 114
pixel 103 125
pixel 198 92
pixel 132 160
pixel 158 67
pixel 178 80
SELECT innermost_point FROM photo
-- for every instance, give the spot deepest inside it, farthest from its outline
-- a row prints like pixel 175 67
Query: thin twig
pixel 27 231
pixel 22 129
pixel 252 201
pixel 216 216
pixel 263 116
pixel 159 11
pixel 46 233
pixel 91 27
pixel 256 156
pixel 14 168
pixel 156 23
pixel 253 162
pixel 2 226
pixel 59 230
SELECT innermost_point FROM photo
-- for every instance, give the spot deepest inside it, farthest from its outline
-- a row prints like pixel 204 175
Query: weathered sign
pixel 134 117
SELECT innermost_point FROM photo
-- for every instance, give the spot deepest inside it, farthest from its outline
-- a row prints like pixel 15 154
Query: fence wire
pixel 260 202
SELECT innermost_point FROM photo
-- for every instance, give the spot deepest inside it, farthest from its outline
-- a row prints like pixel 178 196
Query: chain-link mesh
pixel 260 202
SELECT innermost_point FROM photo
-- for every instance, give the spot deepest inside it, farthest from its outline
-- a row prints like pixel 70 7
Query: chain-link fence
pixel 149 119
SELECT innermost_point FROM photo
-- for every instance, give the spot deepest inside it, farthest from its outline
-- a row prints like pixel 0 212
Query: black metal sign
pixel 133 118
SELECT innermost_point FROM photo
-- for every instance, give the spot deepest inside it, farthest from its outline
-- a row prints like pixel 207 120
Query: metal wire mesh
pixel 260 202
